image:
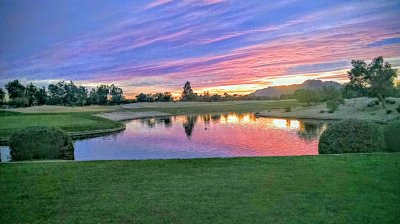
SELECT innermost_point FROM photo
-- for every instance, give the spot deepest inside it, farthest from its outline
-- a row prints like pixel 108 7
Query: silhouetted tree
pixel 15 89
pixel 142 98
pixel 81 95
pixel 2 96
pixel 102 92
pixel 41 96
pixel 189 125
pixel 116 94
pixel 56 93
pixel 378 77
pixel 30 93
pixel 187 94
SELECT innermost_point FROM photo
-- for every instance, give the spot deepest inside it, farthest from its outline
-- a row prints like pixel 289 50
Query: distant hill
pixel 277 91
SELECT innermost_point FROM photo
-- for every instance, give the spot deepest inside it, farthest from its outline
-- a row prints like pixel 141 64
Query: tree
pixel 15 89
pixel 330 93
pixel 116 94
pixel 206 96
pixel 377 77
pixel 41 96
pixel 102 92
pixel 167 97
pixel 70 93
pixel 307 96
pixel 81 95
pixel 2 96
pixel 92 97
pixel 56 93
pixel 187 94
pixel 30 93
pixel 142 98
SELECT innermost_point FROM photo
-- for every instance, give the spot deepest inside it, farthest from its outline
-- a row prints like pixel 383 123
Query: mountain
pixel 277 91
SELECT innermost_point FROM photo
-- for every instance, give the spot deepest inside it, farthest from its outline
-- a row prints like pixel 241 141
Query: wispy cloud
pixel 217 45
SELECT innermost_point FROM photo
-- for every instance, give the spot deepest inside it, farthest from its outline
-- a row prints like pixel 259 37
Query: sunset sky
pixel 217 45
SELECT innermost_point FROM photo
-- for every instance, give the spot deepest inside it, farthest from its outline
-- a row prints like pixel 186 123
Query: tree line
pixel 64 93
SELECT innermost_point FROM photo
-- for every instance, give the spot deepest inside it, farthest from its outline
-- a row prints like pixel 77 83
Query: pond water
pixel 202 136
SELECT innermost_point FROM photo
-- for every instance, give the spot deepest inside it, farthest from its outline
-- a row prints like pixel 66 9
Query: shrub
pixel 288 109
pixel 332 105
pixel 398 109
pixel 389 101
pixel 350 136
pixel 34 143
pixel 392 136
pixel 388 111
pixel 371 104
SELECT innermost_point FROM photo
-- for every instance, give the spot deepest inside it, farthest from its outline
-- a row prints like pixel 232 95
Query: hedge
pixel 36 143
pixel 392 136
pixel 350 136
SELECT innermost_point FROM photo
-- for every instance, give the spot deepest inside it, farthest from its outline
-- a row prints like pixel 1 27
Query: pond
pixel 202 136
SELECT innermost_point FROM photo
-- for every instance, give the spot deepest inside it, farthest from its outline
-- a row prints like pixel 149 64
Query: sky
pixel 217 45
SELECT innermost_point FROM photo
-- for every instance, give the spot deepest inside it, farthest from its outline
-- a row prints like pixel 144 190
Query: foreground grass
pixel 219 107
pixel 11 122
pixel 314 189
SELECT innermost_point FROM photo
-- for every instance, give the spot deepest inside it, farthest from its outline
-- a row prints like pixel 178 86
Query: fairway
pixel 11 122
pixel 214 107
pixel 351 188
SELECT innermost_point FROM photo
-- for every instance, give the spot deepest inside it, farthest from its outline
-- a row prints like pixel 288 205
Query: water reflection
pixel 307 130
pixel 188 125
pixel 311 130
pixel 205 135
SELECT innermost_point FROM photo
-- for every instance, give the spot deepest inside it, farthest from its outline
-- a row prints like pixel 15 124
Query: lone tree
pixel 15 89
pixel 377 77
pixel 187 94
pixel 2 95
pixel 31 90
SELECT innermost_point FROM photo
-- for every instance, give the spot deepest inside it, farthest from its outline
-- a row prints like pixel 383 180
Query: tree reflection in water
pixel 307 130
pixel 188 125
pixel 310 130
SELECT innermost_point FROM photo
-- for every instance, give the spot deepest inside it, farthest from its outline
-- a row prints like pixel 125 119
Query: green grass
pixel 237 107
pixel 363 188
pixel 11 122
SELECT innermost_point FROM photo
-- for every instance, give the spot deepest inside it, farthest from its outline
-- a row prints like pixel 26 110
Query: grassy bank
pixel 318 189
pixel 353 108
pixel 216 107
pixel 70 122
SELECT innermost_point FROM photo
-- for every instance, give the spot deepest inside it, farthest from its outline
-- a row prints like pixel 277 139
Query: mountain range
pixel 277 91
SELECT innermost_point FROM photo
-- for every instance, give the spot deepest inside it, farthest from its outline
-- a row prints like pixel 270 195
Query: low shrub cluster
pixel 392 136
pixel 288 109
pixel 35 143
pixel 389 101
pixel 349 136
pixel 398 109
pixel 373 103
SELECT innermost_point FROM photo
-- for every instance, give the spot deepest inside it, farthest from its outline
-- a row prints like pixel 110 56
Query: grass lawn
pixel 218 107
pixel 11 122
pixel 363 188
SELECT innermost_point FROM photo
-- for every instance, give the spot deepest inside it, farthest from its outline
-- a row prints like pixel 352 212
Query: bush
pixel 389 111
pixel 373 103
pixel 35 143
pixel 288 109
pixel 350 136
pixel 389 101
pixel 398 109
pixel 392 136
pixel 332 105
